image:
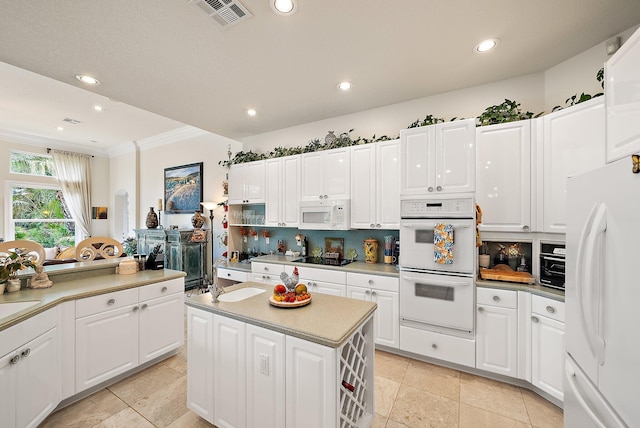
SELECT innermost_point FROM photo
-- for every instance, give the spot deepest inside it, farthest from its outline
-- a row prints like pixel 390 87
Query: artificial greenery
pixel 574 99
pixel 508 111
pixel 428 120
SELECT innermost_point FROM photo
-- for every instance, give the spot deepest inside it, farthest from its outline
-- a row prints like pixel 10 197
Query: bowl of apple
pixel 284 298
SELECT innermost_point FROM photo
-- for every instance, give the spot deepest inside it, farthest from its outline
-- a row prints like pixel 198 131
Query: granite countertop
pixel 355 267
pixel 327 320
pixel 540 290
pixel 82 280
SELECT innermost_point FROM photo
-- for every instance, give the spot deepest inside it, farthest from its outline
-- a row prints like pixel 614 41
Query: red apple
pixel 279 289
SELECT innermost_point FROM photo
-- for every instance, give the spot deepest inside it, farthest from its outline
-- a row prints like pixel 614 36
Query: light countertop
pixel 327 320
pixel 540 290
pixel 355 267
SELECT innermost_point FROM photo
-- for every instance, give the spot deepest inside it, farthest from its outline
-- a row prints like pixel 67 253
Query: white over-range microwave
pixel 325 214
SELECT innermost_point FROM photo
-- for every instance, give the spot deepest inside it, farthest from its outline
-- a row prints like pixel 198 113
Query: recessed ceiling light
pixel 87 79
pixel 486 45
pixel 344 86
pixel 60 128
pixel 283 7
pixel 97 107
pixel 252 112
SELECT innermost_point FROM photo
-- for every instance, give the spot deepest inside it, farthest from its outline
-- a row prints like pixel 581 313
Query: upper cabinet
pixel 622 93
pixel 438 158
pixel 282 192
pixel 326 174
pixel 246 183
pixel 573 142
pixel 503 176
pixel 375 185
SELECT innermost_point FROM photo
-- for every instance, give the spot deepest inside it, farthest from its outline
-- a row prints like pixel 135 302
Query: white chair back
pixel 35 251
pixel 106 247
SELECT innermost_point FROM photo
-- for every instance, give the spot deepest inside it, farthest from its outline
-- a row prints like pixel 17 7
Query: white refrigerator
pixel 602 295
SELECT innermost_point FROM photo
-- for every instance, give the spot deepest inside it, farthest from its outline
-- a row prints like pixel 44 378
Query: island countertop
pixel 327 320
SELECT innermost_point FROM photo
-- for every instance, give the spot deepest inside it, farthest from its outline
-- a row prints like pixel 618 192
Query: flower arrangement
pixel 14 262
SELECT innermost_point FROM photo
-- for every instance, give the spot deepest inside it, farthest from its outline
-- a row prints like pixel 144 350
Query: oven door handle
pixel 555 259
pixel 454 225
pixel 436 282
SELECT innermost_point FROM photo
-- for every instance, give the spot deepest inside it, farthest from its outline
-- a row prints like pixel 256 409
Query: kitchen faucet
pixel 216 290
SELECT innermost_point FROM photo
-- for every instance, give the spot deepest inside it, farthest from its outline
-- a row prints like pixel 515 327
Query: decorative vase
pixel 152 219
pixel 13 285
pixel 371 250
pixel 197 220
pixel 330 138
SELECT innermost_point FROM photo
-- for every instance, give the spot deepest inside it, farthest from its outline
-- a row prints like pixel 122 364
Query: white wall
pixel 123 177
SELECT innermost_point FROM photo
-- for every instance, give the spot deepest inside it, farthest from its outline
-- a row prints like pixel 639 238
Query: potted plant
pixel 9 267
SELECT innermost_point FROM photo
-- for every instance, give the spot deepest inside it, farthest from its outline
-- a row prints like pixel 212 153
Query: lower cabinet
pixel 116 332
pixel 497 331
pixel 30 381
pixel 547 345
pixel 200 364
pixel 323 281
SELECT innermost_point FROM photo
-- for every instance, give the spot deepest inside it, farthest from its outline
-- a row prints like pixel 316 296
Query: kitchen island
pixel 252 364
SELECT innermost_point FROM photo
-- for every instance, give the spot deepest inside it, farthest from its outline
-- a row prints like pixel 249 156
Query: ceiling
pixel 165 63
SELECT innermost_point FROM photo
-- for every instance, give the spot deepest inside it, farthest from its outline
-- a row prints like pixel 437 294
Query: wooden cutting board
pixel 505 273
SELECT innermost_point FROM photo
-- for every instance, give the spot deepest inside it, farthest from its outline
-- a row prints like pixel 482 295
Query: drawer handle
pixel 14 360
pixel 26 353
pixel 535 319
pixel 371 282
pixel 496 298
pixel 164 289
pixel 439 188
pixel 434 346
pixel 550 309
pixel 136 309
pixel 144 306
pixel 228 274
pixel 480 309
pixel 373 293
pixel 111 301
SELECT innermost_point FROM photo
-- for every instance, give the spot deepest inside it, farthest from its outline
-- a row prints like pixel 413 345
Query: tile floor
pixel 408 393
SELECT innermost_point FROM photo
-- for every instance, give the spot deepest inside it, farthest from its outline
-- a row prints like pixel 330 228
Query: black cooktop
pixel 323 261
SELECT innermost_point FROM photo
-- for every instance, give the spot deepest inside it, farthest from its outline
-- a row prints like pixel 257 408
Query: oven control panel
pixel 459 207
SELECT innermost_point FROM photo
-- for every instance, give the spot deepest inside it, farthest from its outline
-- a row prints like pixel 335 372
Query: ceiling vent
pixel 224 12
pixel 72 121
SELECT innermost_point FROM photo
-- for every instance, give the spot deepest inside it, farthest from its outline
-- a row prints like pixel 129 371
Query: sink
pixel 10 308
pixel 241 294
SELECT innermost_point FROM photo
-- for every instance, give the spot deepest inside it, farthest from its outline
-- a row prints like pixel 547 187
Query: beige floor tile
pixel 472 417
pixel 124 419
pixel 144 383
pixel 178 363
pixel 394 424
pixel 165 405
pixel 541 412
pixel 378 421
pixel 434 379
pixel 391 366
pixel 494 396
pixel 190 420
pixel 418 409
pixel 386 391
pixel 86 412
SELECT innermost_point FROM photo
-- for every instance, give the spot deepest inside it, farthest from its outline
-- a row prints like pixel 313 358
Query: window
pixel 32 164
pixel 39 214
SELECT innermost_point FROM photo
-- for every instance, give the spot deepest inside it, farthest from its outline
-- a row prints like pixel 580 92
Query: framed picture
pixel 183 188
pixel 235 256
pixel 99 213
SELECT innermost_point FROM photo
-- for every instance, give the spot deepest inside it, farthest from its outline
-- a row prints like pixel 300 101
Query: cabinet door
pixel 503 176
pixel 336 173
pixel 311 384
pixel 417 149
pixel 8 380
pixel 312 165
pixel 363 186
pixel 254 178
pixel 106 345
pixel 39 384
pixel 326 288
pixel 455 170
pixel 386 318
pixel 161 326
pixel 265 378
pixel 229 361
pixel 200 379
pixel 236 189
pixel 290 212
pixel 573 143
pixel 359 293
pixel 272 192
pixel 388 185
pixel 497 340
pixel 547 355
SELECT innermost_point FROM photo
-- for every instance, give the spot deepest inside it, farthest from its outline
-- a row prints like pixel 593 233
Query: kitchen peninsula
pixel 253 364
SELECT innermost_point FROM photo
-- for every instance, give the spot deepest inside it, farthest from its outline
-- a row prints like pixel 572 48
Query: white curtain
pixel 74 176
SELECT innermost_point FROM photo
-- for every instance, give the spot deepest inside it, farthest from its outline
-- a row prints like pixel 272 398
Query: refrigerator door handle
pixel 578 394
pixel 595 260
pixel 585 285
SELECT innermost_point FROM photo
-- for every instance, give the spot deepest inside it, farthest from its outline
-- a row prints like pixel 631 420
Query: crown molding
pixel 169 137
pixel 35 140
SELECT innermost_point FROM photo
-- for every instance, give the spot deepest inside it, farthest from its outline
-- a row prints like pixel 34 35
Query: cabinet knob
pixel 321 197
pixel 266 268
pixel 480 309
pixel 26 353
pixel 14 360
pixel 228 274
pixel 326 197
pixel 434 346
pixel 535 319
pixel 525 228
pixel 496 298
pixel 371 282
pixel 378 225
pixel 164 289
pixel 439 188
pixel 367 292
pixel 136 309
pixel 111 301
pixel 430 189
pixel 144 306
pixel 372 225
pixel 373 293
pixel 550 309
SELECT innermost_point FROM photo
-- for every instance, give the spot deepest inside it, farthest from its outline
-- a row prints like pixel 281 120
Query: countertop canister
pixel 370 250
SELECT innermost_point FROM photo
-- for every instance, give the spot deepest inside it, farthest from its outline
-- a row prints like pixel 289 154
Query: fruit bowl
pixel 295 304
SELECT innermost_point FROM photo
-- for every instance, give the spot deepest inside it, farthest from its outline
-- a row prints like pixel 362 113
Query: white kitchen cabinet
pixel 572 143
pixel 200 377
pixel 311 384
pixel 503 176
pixel 265 378
pixel 384 291
pixel 247 183
pixel 438 159
pixel 282 192
pixel 30 380
pixel 375 185
pixel 547 347
pixel 326 174
pixel 622 80
pixel 269 273
pixel 323 281
pixel 497 331
pixel 229 371
pixel 116 332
